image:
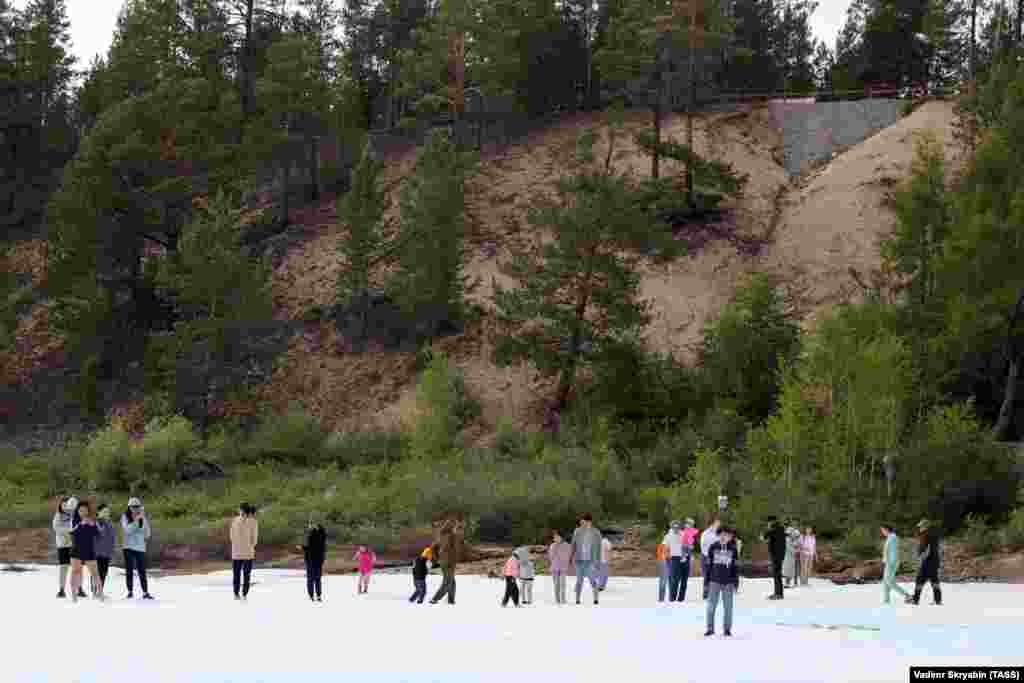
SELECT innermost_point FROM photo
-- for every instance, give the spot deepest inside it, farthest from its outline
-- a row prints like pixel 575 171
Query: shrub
pixel 861 542
pixel 107 461
pixel 294 437
pixel 437 422
pixel 980 537
pixel 1013 533
pixel 164 448
pixel 655 506
pixel 365 448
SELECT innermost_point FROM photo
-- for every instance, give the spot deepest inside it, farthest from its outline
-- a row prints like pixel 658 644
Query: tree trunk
pixel 247 76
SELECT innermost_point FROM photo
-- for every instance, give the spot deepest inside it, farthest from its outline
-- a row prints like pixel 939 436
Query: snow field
pixel 196 632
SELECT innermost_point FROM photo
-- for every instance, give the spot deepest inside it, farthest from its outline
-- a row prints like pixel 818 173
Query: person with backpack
pixel 136 531
pixel 775 537
pixel 314 553
pixel 929 555
pixel 890 564
pixel 245 531
pixel 724 578
pixel 419 575
pixel 559 556
pixel 105 542
pixel 678 562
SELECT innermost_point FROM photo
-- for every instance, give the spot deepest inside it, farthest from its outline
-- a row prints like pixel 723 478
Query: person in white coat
pixel 63 523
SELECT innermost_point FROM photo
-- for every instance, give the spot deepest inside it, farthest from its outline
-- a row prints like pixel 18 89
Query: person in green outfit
pixel 891 564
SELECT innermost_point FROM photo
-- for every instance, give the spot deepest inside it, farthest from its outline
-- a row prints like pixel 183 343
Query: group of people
pixel 85 539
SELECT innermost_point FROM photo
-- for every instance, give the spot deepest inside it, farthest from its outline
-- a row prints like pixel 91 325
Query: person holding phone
pixel 137 531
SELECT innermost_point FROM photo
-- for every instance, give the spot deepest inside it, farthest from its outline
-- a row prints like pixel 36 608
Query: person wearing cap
pixel 136 531
pixel 419 575
pixel 314 552
pixel 707 539
pixel 930 556
pixel 676 554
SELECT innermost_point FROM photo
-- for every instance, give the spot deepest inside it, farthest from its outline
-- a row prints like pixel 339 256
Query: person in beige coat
pixel 244 535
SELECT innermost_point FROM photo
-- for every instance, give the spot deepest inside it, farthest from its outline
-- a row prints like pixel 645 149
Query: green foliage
pixel 1013 533
pixel 746 346
pixel 862 542
pixel 430 281
pixel 113 462
pixel 577 298
pixel 980 537
pixel 444 407
pixel 293 437
pixel 348 449
pixel 655 505
pixel 363 209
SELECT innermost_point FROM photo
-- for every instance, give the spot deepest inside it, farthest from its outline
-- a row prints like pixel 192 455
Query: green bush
pixel 655 506
pixel 364 448
pixel 862 542
pixel 294 438
pixel 979 536
pixel 107 461
pixel 1013 533
pixel 164 448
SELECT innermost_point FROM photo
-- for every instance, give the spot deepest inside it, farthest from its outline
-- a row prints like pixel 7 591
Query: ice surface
pixel 196 632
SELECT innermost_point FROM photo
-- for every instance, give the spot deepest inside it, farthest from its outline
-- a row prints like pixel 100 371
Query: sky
pixel 93 21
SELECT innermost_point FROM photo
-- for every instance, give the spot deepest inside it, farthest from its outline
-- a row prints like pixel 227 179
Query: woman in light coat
pixel 559 556
pixel 137 532
pixel 63 522
pixel 789 570
pixel 244 536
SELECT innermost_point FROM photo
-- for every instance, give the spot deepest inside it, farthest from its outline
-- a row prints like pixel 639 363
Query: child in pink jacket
pixel 511 573
pixel 366 559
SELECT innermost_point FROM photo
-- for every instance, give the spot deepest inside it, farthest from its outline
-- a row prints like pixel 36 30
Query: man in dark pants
pixel 930 556
pixel 451 532
pixel 775 537
pixel 315 552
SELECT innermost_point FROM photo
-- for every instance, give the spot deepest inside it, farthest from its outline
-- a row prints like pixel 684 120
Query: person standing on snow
pixel 724 579
pixel 775 537
pixel 707 539
pixel 604 566
pixel 314 553
pixel 450 548
pixel 808 555
pixel 527 572
pixel 83 553
pixel 419 575
pixel 105 542
pixel 661 557
pixel 559 556
pixel 930 556
pixel 245 532
pixel 136 531
pixel 890 564
pixel 511 572
pixel 586 553
pixel 366 559
pixel 790 560
pixel 63 521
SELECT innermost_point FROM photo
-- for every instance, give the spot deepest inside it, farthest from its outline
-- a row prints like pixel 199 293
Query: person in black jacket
pixel 723 579
pixel 775 536
pixel 419 575
pixel 315 552
pixel 84 537
pixel 930 555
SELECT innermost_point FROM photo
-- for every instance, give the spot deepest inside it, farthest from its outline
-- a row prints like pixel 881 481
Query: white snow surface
pixel 196 632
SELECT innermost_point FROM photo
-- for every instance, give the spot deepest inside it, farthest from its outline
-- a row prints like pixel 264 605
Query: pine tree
pixel 578 295
pixel 362 208
pixel 430 282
